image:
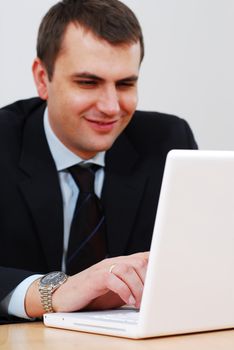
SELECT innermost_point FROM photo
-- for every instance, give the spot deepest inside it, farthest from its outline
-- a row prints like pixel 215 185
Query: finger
pixel 118 286
pixel 140 265
pixel 129 269
pixel 139 262
pixel 130 277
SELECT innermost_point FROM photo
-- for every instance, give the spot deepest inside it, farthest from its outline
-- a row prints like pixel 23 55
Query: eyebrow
pixel 86 75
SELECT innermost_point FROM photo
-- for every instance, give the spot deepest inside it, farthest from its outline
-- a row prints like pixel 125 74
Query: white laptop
pixel 189 285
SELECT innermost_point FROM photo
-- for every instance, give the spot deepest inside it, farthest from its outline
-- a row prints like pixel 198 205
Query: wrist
pixel 39 296
pixel 33 307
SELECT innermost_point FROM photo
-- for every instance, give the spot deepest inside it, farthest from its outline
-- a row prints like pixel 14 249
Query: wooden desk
pixel 34 336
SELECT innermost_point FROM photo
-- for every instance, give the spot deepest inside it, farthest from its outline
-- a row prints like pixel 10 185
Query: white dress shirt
pixel 64 158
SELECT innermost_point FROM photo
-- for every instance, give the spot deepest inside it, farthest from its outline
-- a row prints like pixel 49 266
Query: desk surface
pixel 28 336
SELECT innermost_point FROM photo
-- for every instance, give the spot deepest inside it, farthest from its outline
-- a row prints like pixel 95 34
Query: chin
pixel 105 146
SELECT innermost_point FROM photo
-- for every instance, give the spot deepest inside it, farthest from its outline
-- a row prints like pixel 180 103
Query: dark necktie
pixel 87 242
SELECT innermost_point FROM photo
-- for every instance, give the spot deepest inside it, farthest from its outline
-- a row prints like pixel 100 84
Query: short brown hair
pixel 110 20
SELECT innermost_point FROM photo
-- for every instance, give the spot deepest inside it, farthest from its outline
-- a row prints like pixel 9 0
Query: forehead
pixel 81 49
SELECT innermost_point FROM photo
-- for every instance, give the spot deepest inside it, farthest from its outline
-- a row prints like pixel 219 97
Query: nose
pixel 108 101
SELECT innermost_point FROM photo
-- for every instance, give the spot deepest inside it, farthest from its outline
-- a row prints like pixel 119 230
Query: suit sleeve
pixel 11 278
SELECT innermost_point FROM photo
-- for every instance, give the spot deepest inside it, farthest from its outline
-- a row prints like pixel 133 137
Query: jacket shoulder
pixel 155 130
pixel 13 118
pixel 20 109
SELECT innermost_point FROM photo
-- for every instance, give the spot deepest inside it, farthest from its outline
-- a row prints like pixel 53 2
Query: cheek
pixel 129 102
pixel 78 103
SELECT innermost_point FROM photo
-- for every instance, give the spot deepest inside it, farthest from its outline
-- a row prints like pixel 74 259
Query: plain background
pixel 188 68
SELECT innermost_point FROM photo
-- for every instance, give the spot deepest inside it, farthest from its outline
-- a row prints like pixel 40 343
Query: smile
pixel 101 125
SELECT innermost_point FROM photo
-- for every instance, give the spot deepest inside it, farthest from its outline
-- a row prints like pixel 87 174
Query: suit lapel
pixel 40 187
pixel 122 191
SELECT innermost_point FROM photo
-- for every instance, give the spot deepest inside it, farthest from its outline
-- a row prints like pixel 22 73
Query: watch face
pixel 53 278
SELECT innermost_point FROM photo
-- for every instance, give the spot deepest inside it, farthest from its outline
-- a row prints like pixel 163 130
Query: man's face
pixel 93 92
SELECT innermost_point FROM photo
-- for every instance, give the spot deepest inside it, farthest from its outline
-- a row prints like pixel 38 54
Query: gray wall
pixel 188 68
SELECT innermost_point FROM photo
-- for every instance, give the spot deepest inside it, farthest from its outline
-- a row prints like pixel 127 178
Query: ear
pixel 40 78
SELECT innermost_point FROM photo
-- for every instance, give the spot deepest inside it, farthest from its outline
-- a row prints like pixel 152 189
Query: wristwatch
pixel 47 285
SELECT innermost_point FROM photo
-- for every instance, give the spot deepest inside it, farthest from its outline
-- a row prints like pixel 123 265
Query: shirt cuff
pixel 14 302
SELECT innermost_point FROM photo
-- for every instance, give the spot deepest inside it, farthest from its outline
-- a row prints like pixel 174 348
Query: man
pixel 86 72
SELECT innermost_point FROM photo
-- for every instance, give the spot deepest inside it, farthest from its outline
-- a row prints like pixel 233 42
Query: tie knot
pixel 84 176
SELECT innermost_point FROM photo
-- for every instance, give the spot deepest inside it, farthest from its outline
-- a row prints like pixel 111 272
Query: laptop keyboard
pixel 120 316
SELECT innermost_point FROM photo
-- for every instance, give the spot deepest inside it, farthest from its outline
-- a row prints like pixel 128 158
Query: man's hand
pixel 97 287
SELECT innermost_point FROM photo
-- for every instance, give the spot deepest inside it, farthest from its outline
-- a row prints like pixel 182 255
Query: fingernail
pixel 131 300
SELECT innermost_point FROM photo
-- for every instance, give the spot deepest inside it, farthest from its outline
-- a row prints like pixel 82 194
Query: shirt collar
pixel 63 157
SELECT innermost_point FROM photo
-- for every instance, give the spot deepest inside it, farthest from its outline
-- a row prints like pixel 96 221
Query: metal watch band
pixel 46 298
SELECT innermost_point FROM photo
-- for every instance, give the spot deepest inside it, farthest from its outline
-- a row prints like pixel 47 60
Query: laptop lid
pixel 190 277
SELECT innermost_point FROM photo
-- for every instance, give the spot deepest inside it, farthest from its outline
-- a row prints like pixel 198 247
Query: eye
pixel 86 83
pixel 125 84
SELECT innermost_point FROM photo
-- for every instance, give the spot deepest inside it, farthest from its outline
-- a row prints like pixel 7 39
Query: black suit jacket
pixel 31 211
